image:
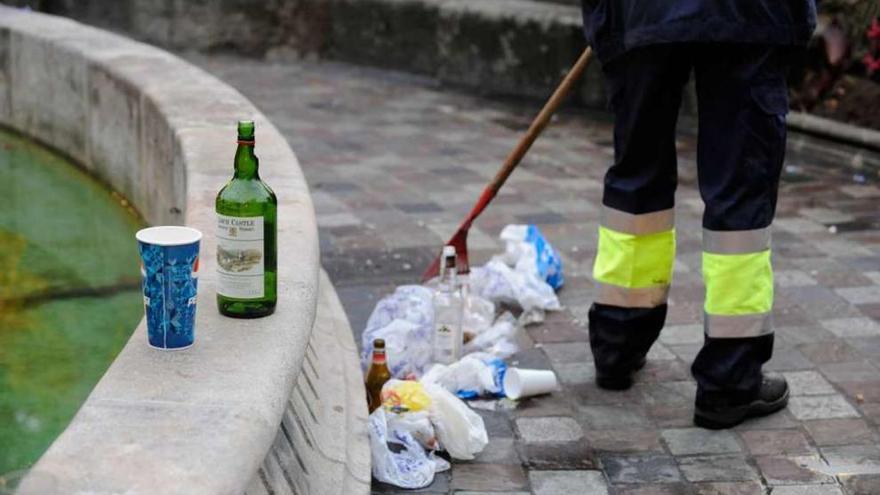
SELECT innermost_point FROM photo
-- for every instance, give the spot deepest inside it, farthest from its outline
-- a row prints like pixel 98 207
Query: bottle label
pixel 444 344
pixel 240 257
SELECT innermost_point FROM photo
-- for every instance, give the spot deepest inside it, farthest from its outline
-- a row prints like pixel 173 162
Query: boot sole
pixel 721 420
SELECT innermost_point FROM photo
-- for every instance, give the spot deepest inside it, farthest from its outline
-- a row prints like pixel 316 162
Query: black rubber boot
pixel 619 381
pixel 716 412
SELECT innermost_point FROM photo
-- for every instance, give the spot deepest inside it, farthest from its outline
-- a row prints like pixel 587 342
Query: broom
pixel 459 239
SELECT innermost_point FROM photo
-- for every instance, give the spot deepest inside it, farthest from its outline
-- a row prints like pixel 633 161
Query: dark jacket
pixel 615 26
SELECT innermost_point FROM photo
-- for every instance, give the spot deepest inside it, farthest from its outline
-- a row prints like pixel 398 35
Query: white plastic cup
pixel 520 383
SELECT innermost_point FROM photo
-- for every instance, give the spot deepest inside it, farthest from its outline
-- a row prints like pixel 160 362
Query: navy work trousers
pixel 742 102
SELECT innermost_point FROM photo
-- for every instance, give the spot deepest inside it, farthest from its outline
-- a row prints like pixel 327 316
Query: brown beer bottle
pixel 377 375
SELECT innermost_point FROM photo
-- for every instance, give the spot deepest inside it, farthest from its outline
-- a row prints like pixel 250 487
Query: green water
pixel 69 294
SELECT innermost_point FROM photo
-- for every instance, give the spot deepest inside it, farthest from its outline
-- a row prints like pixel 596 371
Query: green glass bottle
pixel 247 212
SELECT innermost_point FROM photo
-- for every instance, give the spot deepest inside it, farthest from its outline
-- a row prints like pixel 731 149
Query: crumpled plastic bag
pixel 405 320
pixel 501 284
pixel 405 395
pixel 499 340
pixel 470 377
pixel 460 430
pixel 407 466
pixel 527 250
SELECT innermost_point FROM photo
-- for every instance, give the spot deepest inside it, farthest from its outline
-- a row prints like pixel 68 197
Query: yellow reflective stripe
pixel 738 284
pixel 737 241
pixel 646 297
pixel 737 327
pixel 641 224
pixel 634 261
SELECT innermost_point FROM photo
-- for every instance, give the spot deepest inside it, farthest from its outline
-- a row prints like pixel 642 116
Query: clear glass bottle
pixel 247 212
pixel 448 311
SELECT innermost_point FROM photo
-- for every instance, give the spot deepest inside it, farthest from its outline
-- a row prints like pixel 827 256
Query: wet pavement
pixel 394 163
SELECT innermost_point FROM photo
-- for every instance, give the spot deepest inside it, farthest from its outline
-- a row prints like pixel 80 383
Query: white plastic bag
pixel 461 432
pixel 417 424
pixel 499 283
pixel 499 340
pixel 527 250
pixel 404 320
pixel 411 467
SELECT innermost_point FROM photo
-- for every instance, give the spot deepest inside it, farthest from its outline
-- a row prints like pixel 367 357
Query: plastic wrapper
pixel 405 395
pixel 460 430
pixel 405 320
pixel 527 250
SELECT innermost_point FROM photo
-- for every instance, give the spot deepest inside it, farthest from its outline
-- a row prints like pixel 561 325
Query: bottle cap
pixel 449 255
pixel 379 344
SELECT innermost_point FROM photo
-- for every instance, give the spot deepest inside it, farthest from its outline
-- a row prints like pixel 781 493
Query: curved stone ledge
pixel 161 132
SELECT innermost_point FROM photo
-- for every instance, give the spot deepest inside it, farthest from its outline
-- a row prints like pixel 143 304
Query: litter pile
pixel 427 348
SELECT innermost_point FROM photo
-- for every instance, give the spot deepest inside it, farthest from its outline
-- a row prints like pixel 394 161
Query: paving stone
pixel 807 383
pixel 853 459
pixel 498 424
pixel 768 442
pixel 577 352
pixel 682 334
pixel 787 359
pixel 784 470
pixel 548 429
pixel 807 490
pixel 688 441
pixel 575 373
pixel 852 327
pixel 498 451
pixel 555 456
pixel 489 477
pixel 641 469
pixel 792 278
pixel 821 407
pixel 568 482
pixel 729 488
pixel 853 371
pixel 828 432
pixel 653 489
pixel 624 440
pixel 829 352
pixel 861 484
pixel 596 417
pixel 861 295
pixel 717 468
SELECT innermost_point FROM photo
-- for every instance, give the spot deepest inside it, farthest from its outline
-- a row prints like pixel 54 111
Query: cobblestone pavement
pixel 395 162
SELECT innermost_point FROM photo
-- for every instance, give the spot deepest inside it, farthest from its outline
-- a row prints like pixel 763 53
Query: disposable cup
pixel 520 383
pixel 169 267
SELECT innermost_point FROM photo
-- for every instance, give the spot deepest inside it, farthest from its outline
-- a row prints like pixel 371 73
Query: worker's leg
pixel 633 266
pixel 742 105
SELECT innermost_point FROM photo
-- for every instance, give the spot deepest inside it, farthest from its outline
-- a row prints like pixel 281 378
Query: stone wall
pixel 504 47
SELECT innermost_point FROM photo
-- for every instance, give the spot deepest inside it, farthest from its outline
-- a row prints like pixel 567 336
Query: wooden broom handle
pixel 541 121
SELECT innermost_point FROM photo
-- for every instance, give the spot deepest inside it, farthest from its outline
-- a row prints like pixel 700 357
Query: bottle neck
pixel 246 163
pixel 378 356
pixel 448 277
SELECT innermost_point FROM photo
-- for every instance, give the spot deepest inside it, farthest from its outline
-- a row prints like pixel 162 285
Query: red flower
pixel 874 31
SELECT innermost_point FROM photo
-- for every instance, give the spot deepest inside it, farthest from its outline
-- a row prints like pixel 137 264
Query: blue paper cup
pixel 169 267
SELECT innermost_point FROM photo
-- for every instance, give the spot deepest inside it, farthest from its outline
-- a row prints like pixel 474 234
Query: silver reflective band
pixel 737 326
pixel 646 297
pixel 646 223
pixel 736 241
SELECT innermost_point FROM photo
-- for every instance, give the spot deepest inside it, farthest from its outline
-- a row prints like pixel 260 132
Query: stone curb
pixel 201 420
pixel 833 130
